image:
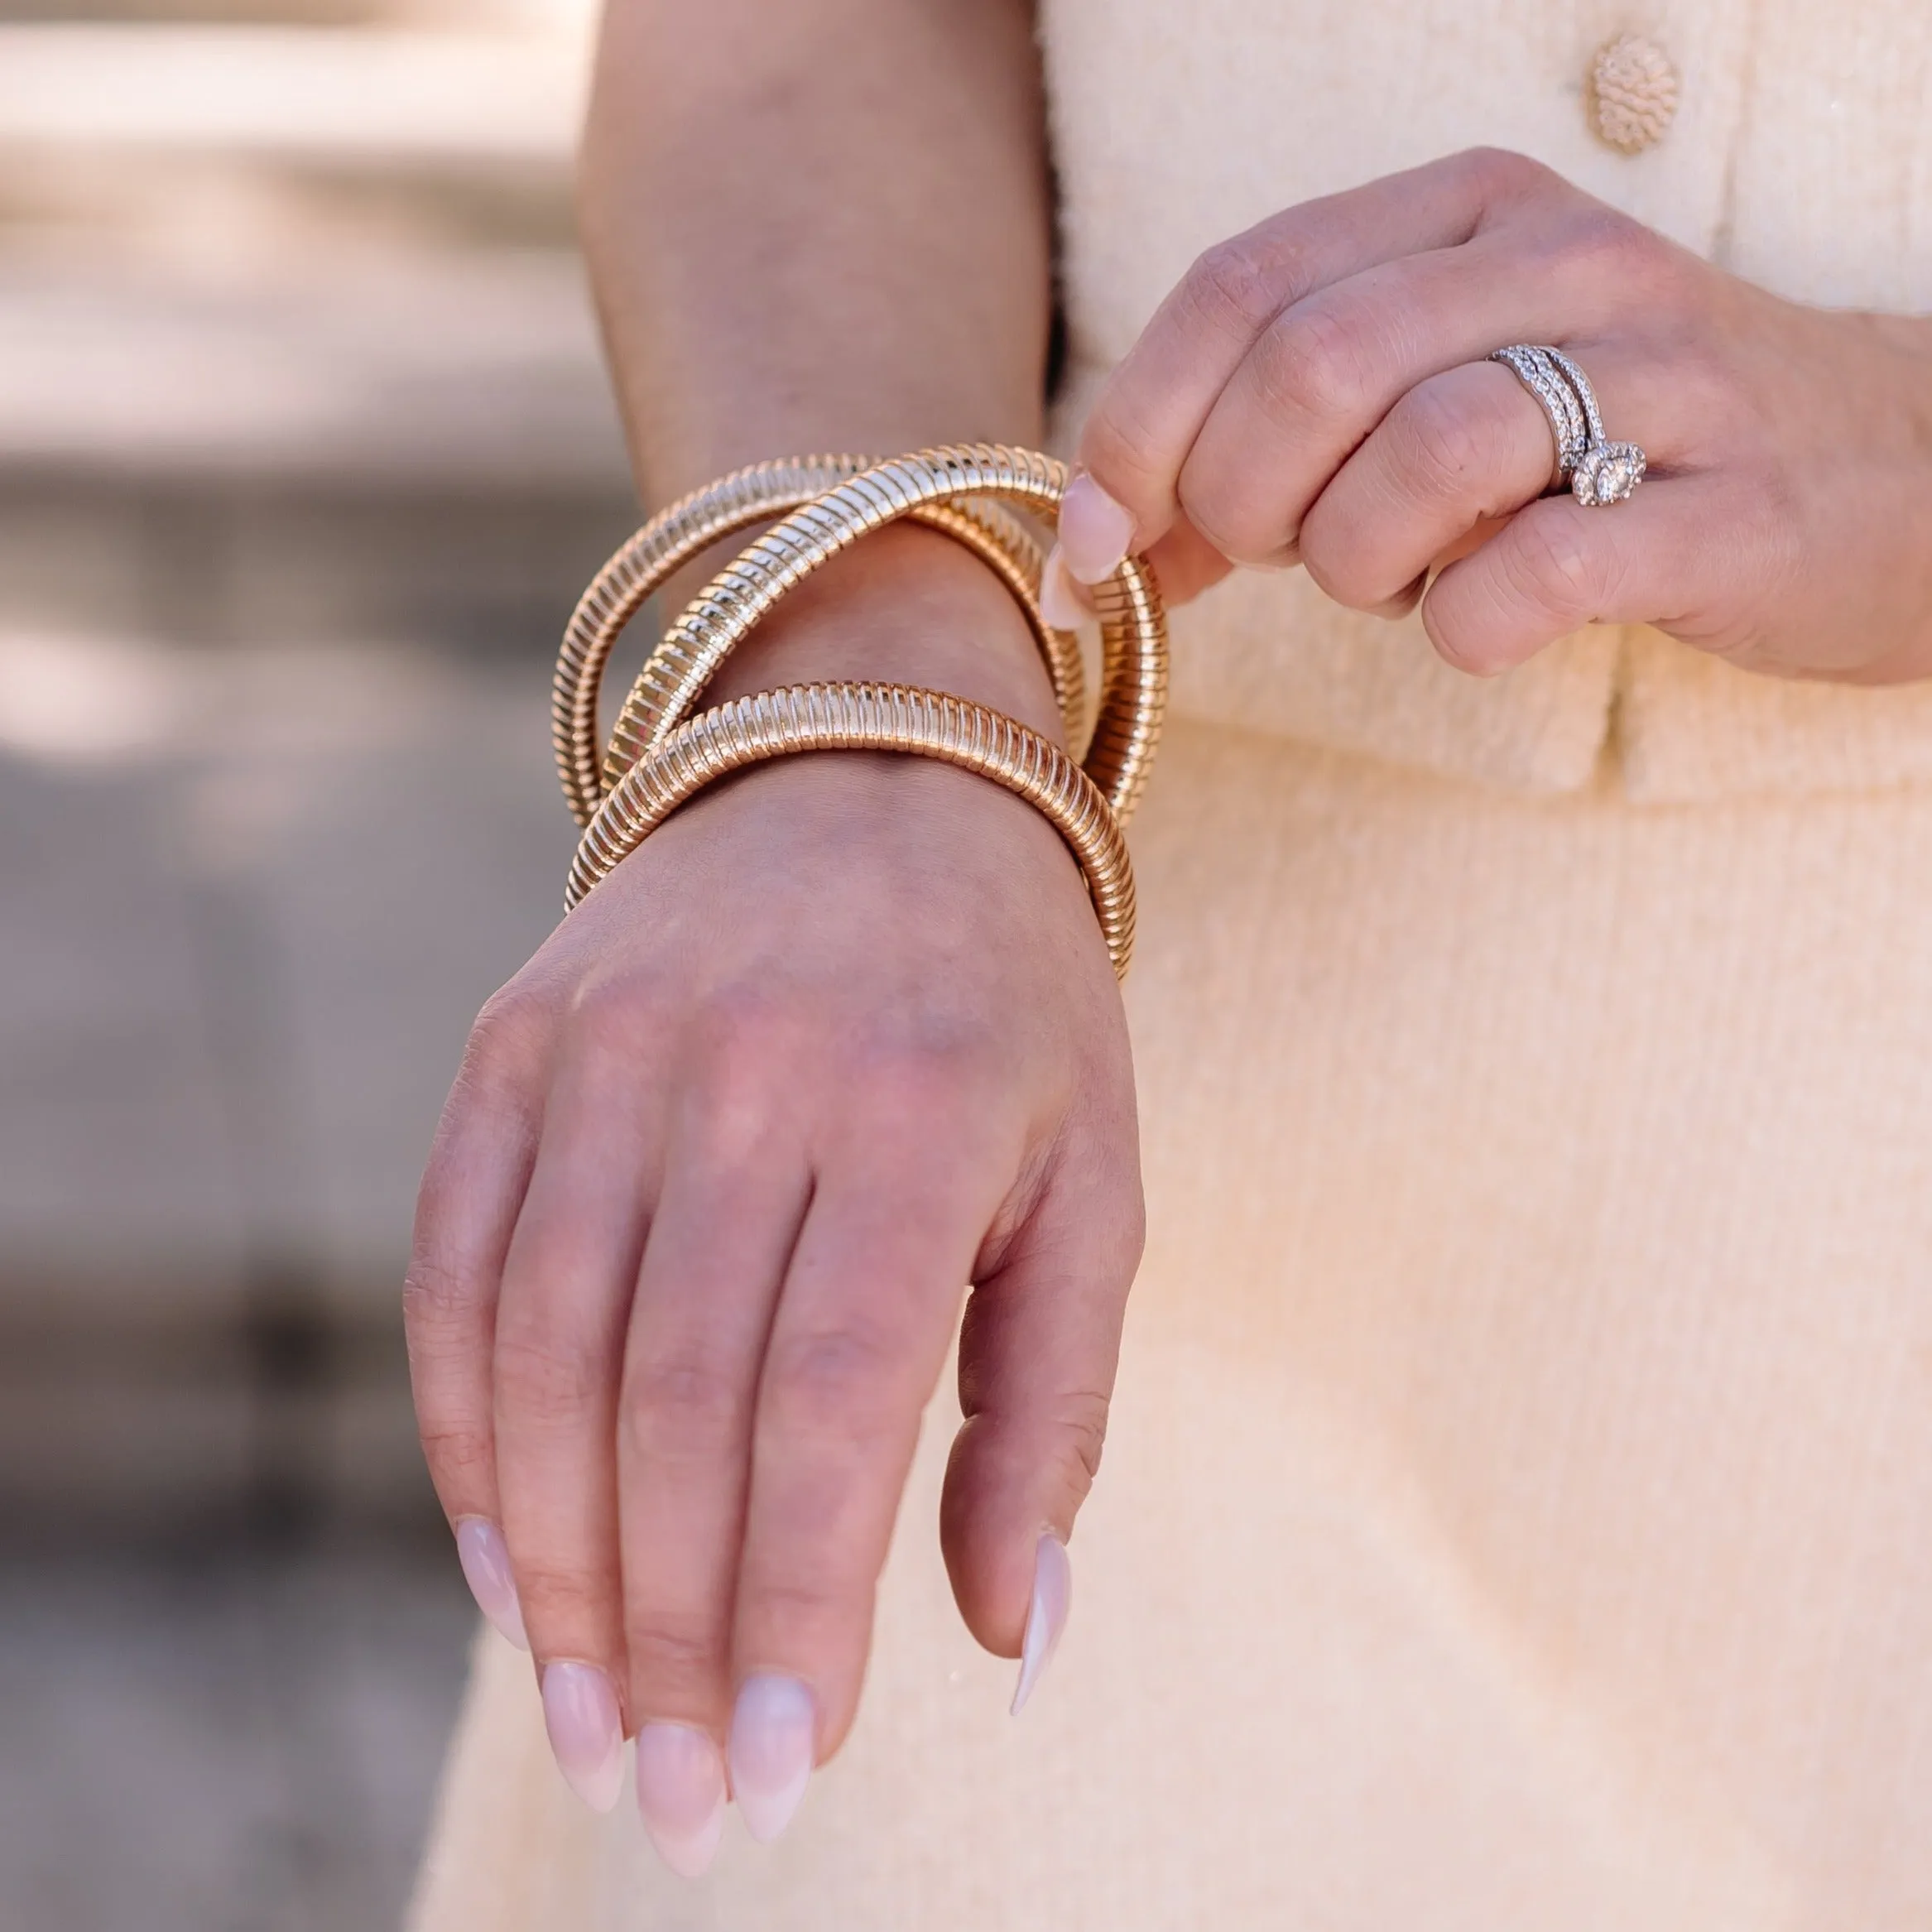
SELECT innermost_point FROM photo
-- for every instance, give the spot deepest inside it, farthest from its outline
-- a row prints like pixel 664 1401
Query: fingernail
pixel 485 1558
pixel 1060 602
pixel 1094 530
pixel 587 1731
pixel 1046 1616
pixel 773 1740
pixel 681 1793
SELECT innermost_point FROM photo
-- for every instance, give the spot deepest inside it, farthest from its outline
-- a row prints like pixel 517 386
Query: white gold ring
pixel 1596 470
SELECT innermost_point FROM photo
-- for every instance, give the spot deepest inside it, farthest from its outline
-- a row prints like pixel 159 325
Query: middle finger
pixel 1318 380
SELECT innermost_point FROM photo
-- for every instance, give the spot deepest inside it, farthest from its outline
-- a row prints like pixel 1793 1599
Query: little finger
pixel 566 1295
pixel 1664 557
pixel 473 1187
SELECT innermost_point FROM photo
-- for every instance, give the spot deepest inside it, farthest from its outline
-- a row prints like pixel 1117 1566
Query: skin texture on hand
pixel 1315 390
pixel 840 1038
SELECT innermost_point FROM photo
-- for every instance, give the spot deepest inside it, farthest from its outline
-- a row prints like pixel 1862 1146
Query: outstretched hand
pixel 840 1038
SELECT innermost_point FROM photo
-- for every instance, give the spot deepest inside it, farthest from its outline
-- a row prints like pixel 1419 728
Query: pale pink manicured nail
pixel 485 1558
pixel 774 1738
pixel 681 1793
pixel 1094 530
pixel 587 1731
pixel 1046 1616
pixel 1060 602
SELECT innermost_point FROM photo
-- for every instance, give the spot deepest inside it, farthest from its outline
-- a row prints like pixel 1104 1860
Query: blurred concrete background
pixel 304 451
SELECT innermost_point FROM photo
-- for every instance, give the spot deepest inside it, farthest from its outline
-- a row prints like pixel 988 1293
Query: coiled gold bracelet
pixel 872 718
pixel 660 756
pixel 686 529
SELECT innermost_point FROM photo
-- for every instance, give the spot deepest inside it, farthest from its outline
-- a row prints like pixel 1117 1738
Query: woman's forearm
pixel 818 225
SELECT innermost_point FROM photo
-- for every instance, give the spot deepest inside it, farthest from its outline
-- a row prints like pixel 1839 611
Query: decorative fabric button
pixel 1633 92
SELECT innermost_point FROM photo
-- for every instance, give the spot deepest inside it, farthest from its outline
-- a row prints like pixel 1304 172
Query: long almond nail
pixel 1046 1616
pixel 1094 530
pixel 680 1794
pixel 1060 602
pixel 485 1558
pixel 774 1738
pixel 587 1731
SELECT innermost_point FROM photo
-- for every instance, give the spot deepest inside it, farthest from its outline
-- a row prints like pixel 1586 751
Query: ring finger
pixel 566 1290
pixel 1461 448
pixel 717 1253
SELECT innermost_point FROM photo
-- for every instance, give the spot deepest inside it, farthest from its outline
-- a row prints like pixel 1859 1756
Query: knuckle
pixel 1442 446
pixel 1338 553
pixel 1601 246
pixel 453 1448
pixel 545 1376
pixel 1313 364
pixel 835 1382
pixel 1503 174
pixel 619 1015
pixel 511 1029
pixel 438 1301
pixel 928 1076
pixel 1080 1421
pixel 1223 517
pixel 1121 442
pixel 1235 287
pixel 683 1407
pixel 554 1593
pixel 753 1058
pixel 1556 567
pixel 673 1654
pixel 808 1607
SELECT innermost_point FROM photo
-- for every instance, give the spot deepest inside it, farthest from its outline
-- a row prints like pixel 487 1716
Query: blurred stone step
pixel 378 99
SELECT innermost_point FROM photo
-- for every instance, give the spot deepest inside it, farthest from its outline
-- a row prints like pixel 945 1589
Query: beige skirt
pixel 1518 1509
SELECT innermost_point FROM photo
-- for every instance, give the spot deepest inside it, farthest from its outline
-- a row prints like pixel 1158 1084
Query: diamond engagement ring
pixel 1596 470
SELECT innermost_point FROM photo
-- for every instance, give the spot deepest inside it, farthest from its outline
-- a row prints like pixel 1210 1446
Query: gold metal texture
pixel 1133 624
pixel 863 717
pixel 687 528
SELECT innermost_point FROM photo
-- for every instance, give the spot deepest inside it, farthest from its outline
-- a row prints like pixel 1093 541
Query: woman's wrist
pixel 904 606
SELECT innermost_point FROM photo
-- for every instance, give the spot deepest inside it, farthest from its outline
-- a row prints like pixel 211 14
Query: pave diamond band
pixel 1596 470
pixel 1537 373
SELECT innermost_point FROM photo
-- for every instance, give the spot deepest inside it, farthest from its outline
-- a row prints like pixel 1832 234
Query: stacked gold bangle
pixel 659 754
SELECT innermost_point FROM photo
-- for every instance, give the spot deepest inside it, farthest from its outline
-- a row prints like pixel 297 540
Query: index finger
pixel 1153 406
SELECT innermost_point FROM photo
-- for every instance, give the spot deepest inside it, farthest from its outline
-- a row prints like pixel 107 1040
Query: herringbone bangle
pixel 888 718
pixel 1133 626
pixel 687 528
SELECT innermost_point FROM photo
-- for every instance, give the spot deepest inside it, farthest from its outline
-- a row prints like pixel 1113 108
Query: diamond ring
pixel 1596 470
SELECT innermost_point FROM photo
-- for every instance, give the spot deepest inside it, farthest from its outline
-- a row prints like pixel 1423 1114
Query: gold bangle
pixel 689 526
pixel 850 717
pixel 1133 626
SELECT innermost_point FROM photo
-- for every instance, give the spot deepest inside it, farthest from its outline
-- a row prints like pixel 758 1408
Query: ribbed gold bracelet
pixel 689 527
pixel 1133 626
pixel 862 717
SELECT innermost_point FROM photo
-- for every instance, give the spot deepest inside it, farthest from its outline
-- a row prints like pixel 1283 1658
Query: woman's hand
pixel 839 1040
pixel 1316 391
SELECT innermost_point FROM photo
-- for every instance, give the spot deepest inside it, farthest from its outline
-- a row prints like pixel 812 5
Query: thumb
pixel 1038 1350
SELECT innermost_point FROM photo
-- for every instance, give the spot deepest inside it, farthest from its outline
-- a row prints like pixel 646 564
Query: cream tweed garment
pixel 1518 1510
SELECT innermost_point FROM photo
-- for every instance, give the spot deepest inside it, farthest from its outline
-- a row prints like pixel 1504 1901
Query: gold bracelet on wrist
pixel 1133 624
pixel 687 528
pixel 859 717
pixel 659 755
